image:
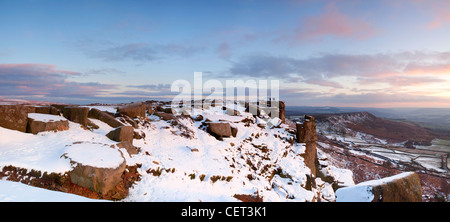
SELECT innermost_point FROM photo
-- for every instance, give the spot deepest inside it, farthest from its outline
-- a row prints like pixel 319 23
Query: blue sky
pixel 368 53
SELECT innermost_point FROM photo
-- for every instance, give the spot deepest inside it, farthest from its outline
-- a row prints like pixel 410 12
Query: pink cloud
pixel 36 80
pixel 332 22
pixel 34 69
pixel 440 12
pixel 437 10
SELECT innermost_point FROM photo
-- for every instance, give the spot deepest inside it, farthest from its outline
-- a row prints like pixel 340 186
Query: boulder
pixel 76 114
pixel 133 110
pixel 123 133
pixel 234 131
pixel 47 110
pixel 104 117
pixel 165 116
pixel 219 129
pixel 404 187
pixel 14 117
pixel 100 180
pixel 43 122
pixel 128 146
pixel 95 166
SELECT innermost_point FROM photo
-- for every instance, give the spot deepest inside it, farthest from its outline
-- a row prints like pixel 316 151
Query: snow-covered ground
pixel 179 160
pixel 19 192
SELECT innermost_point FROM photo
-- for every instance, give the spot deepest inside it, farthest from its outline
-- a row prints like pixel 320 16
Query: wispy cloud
pixel 330 23
pixel 45 80
pixel 136 51
pixel 402 68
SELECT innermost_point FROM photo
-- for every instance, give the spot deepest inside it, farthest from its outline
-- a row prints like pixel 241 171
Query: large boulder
pixel 14 117
pixel 404 187
pixel 104 117
pixel 219 129
pixel 76 114
pixel 123 133
pixel 92 170
pixel 133 110
pixel 47 110
pixel 165 116
pixel 43 122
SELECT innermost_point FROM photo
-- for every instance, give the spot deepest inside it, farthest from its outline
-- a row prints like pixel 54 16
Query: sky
pixel 348 53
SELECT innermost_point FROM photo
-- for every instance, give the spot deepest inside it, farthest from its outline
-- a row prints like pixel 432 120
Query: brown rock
pixel 123 133
pixel 133 110
pixel 310 158
pixel 128 146
pixel 100 180
pixel 47 110
pixel 14 117
pixel 307 132
pixel 403 187
pixel 282 112
pixel 35 126
pixel 234 131
pixel 104 117
pixel 76 114
pixel 219 129
pixel 165 116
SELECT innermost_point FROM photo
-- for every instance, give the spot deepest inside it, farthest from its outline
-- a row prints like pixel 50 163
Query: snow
pixel 95 154
pixel 356 193
pixel 187 158
pixel 45 117
pixel 362 192
pixel 18 192
pixel 111 109
pixel 44 151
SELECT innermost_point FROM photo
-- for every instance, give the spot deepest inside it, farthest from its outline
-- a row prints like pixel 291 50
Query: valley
pixel 374 147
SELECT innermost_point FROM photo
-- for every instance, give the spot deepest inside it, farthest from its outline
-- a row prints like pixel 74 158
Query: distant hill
pixel 432 118
pixel 392 131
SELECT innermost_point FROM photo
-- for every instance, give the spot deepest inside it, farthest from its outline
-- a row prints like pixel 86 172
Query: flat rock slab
pixel 43 122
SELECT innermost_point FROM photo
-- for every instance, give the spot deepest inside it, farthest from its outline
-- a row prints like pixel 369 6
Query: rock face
pixel 307 133
pixel 404 187
pixel 35 126
pixel 104 117
pixel 76 114
pixel 165 116
pixel 100 180
pixel 14 117
pixel 219 129
pixel 123 133
pixel 133 110
pixel 47 110
pixel 282 112
pixel 234 131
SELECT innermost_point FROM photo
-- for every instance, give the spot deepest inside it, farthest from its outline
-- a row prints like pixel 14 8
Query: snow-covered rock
pixel 404 187
pixel 178 159
pixel 44 122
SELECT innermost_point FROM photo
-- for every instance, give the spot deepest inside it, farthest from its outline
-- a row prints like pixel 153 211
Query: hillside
pixel 374 148
pixel 391 131
pixel 149 154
